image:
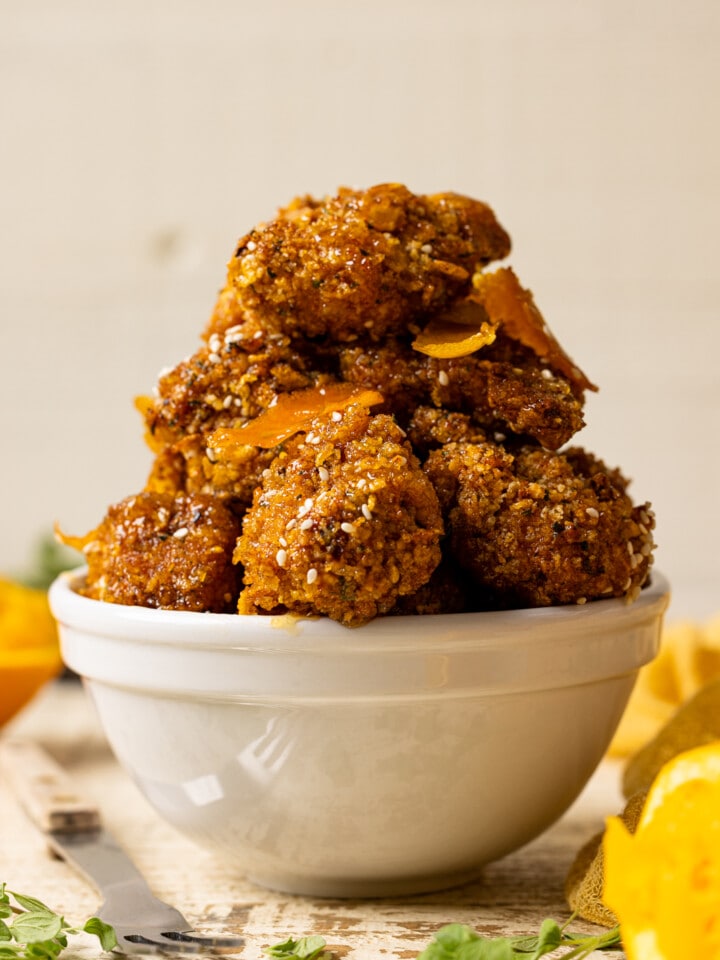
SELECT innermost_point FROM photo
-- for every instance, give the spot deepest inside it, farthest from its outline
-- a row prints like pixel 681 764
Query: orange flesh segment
pixel 512 307
pixel 293 413
pixel 456 333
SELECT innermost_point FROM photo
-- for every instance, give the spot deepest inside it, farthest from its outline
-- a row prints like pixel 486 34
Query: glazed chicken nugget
pixel 223 384
pixel 159 550
pixel 504 386
pixel 360 264
pixel 345 522
pixel 537 528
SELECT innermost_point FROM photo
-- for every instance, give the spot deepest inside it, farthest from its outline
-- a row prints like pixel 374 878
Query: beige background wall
pixel 140 139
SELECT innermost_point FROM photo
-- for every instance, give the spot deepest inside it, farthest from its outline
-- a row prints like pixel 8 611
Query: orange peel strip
pixel 512 307
pixel 75 543
pixel 293 413
pixel 458 332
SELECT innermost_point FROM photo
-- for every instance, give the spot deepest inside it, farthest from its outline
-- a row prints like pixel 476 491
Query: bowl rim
pixel 189 629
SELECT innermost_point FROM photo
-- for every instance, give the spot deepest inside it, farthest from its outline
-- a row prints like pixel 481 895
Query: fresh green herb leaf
pixel 103 931
pixel 30 903
pixel 456 941
pixel 307 948
pixel 37 932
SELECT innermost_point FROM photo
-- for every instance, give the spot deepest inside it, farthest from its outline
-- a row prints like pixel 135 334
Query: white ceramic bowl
pixel 394 758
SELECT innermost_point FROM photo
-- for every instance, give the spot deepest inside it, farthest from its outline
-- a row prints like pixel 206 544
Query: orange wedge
pixel 663 882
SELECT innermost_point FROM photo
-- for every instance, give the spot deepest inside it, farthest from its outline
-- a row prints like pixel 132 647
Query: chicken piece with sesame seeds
pixel 224 384
pixel 535 528
pixel 505 387
pixel 344 523
pixel 171 552
pixel 363 263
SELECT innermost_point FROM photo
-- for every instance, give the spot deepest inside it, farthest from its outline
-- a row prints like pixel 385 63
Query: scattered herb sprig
pixel 456 941
pixel 306 948
pixel 36 932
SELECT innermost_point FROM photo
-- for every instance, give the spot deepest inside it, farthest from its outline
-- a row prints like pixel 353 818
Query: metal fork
pixel 74 831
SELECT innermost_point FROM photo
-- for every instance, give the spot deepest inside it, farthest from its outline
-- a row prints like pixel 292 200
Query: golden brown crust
pixel 504 387
pixel 536 528
pixel 160 550
pixel 386 291
pixel 360 264
pixel 344 523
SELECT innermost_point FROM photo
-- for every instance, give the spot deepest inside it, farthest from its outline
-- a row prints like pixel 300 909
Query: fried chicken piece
pixel 518 395
pixel 344 523
pixel 225 383
pixel 160 550
pixel 430 427
pixel 449 590
pixel 360 264
pixel 537 528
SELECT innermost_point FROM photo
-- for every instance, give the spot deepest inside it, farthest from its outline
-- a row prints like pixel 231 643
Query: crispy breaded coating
pixel 522 396
pixel 449 590
pixel 536 528
pixel 344 523
pixel 431 427
pixel 359 264
pixel 159 550
pixel 225 383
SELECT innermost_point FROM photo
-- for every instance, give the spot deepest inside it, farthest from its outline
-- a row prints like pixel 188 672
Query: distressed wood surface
pixel 513 896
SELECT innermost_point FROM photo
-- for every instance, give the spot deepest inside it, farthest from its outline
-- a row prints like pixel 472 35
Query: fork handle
pixel 46 792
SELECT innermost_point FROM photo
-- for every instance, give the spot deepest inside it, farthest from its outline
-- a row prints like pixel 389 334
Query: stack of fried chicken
pixel 371 426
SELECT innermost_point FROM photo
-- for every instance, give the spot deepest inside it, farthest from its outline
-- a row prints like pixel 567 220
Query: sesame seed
pixel 337 416
pixel 251 245
pixel 257 334
pixel 362 482
pixel 231 338
pixel 290 524
pixel 443 378
pixel 214 357
pixel 630 547
pixel 324 474
pixel 315 440
pixel 366 512
pixel 210 454
pixel 322 391
pixel 499 437
pixel 309 502
pixel 214 343
pixel 280 558
pixel 306 524
pixel 646 549
pixel 547 374
pixel 347 528
pixel 231 331
pixel 592 512
pixel 581 600
pixel 282 541
pixel 181 533
pixel 426 248
pixel 227 402
pixel 312 575
pixel 310 438
pixel 628 583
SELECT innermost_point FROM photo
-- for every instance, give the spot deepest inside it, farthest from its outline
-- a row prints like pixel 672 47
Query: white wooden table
pixel 512 897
